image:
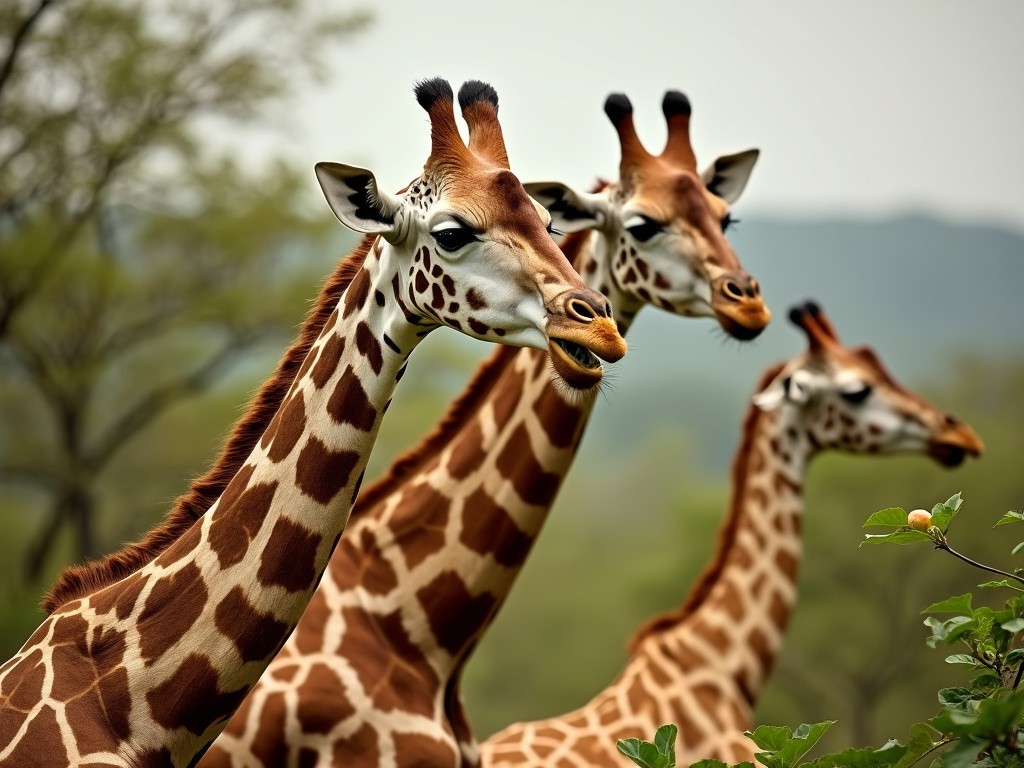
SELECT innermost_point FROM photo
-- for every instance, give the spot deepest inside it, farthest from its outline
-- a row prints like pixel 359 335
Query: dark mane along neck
pixel 80 580
pixel 726 532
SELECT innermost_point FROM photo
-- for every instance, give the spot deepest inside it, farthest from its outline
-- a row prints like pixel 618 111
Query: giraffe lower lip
pixel 580 371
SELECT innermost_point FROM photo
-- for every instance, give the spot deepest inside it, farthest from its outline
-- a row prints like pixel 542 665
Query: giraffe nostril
pixel 951 421
pixel 731 289
pixel 581 310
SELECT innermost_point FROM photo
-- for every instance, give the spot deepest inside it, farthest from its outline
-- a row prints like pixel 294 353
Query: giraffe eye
pixel 643 228
pixel 554 232
pixel 857 396
pixel 728 221
pixel 454 236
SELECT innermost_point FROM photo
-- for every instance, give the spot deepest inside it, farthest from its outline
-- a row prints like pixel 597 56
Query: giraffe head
pixel 663 225
pixel 843 397
pixel 473 251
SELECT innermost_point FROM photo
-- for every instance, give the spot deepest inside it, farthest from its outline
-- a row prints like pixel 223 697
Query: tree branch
pixel 18 40
pixel 159 399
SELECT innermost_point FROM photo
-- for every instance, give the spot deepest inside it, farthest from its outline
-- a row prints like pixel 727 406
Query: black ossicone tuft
pixel 429 91
pixel 473 91
pixel 675 103
pixel 617 106
pixel 800 311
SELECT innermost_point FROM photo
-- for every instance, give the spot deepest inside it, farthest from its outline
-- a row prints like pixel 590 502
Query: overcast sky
pixel 867 107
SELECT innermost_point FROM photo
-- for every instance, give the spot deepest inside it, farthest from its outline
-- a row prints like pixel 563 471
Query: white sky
pixel 867 108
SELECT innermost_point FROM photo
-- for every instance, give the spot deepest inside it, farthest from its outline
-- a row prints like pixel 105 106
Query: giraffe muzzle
pixel 739 307
pixel 954 443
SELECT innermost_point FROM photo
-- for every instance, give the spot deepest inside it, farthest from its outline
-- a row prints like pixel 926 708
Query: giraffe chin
pixel 576 365
pixel 746 328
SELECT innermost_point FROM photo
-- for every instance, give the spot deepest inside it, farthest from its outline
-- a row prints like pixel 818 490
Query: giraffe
pixel 370 678
pixel 703 665
pixel 145 655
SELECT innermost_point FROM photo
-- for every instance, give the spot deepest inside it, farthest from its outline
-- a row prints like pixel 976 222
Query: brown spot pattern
pixel 42 738
pixel 395 675
pixel 517 463
pixel 256 635
pixel 327 363
pixel 418 749
pixel 358 290
pixel 289 559
pixel 467 451
pixel 267 745
pixel 485 522
pixel 369 347
pixel 171 608
pixel 190 698
pixel 235 525
pixel 560 421
pixel 291 423
pixel 475 300
pixel 349 403
pixel 420 519
pixel 454 614
pixel 323 702
pixel 321 473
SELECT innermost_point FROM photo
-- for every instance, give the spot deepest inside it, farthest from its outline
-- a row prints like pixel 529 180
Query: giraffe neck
pixel 431 552
pixel 206 617
pixel 734 619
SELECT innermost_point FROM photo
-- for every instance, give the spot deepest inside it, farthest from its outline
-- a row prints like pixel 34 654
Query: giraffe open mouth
pixel 577 365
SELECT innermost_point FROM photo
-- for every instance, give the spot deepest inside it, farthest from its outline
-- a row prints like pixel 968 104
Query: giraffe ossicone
pixel 703 665
pixel 434 547
pixel 147 653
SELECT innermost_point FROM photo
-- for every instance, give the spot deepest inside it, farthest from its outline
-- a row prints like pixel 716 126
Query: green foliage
pixel 661 753
pixel 139 269
pixel 980 723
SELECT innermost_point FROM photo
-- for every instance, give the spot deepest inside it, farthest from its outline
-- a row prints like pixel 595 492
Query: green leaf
pixel 804 739
pixel 886 755
pixel 943 514
pixel 1013 625
pixel 1003 583
pixel 957 698
pixel 957 604
pixel 712 763
pixel 770 737
pixel 897 537
pixel 922 740
pixel 893 517
pixel 1017 549
pixel 963 754
pixel 643 753
pixel 962 658
pixel 665 741
pixel 1013 516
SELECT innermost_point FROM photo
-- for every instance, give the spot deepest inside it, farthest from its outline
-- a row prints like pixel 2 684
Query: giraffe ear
pixel 795 387
pixel 356 200
pixel 728 175
pixel 570 210
pixel 772 396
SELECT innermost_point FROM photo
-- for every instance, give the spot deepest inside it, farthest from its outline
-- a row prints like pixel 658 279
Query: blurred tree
pixel 137 267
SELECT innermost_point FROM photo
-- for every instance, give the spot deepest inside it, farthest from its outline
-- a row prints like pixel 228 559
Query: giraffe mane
pixel 485 378
pixel 726 531
pixel 79 580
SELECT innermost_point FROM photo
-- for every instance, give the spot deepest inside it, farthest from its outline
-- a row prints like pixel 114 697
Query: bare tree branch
pixel 158 400
pixel 18 40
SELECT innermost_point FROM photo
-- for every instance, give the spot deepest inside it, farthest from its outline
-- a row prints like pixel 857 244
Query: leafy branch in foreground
pixel 980 724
